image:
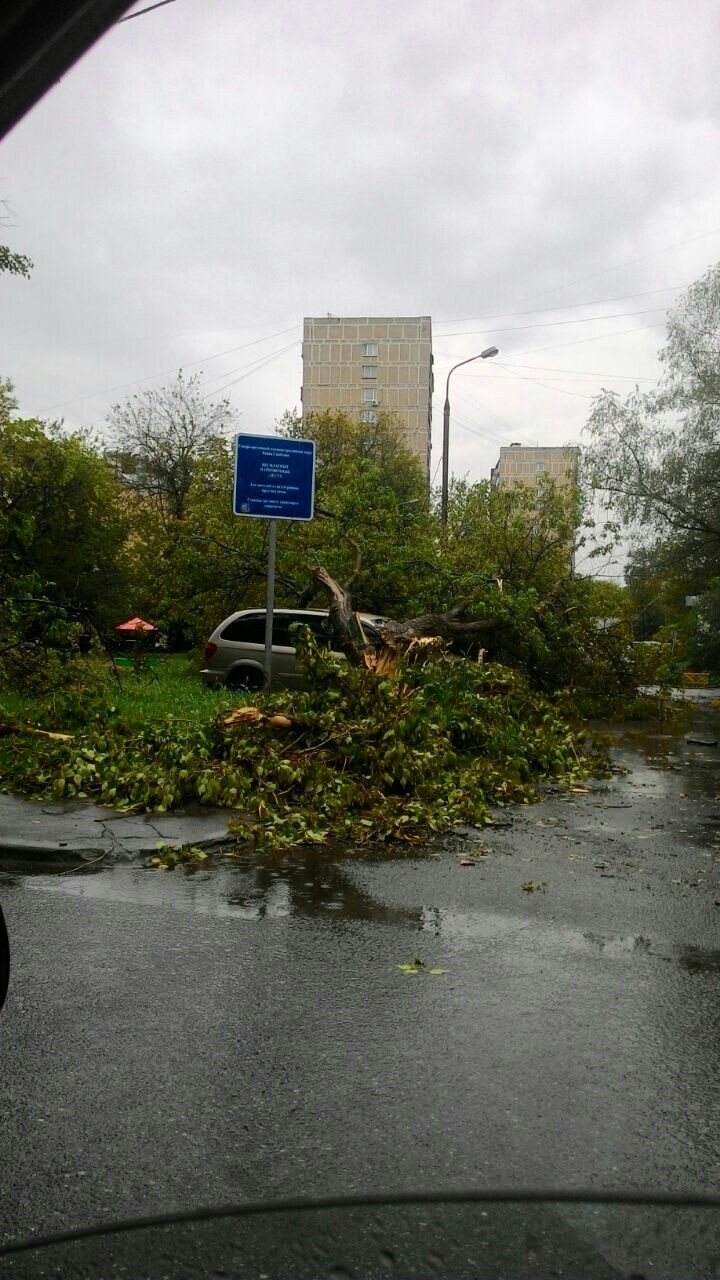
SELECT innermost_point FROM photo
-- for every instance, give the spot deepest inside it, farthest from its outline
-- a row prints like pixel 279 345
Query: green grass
pixel 172 687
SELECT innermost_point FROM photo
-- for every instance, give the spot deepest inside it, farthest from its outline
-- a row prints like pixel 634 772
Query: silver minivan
pixel 235 653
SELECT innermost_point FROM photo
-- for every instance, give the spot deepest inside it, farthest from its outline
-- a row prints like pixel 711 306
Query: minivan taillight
pixel 209 651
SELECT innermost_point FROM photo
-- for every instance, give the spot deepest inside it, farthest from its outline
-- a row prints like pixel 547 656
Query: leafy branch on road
pixel 362 759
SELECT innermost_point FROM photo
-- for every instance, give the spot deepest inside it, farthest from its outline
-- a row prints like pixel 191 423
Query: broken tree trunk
pixel 363 643
pixel 346 628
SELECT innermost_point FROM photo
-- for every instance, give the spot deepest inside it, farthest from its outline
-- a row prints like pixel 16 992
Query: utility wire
pixel 571 306
pixel 486 433
pixel 256 362
pixel 478 406
pixel 461 419
pixel 188 364
pixel 498 441
pixel 575 373
pixel 503 370
pixel 557 345
pixel 563 390
pixel 678 244
pixel 577 342
pixel 553 324
pixel 260 364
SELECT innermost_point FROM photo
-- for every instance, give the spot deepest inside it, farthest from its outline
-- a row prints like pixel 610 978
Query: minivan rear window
pixel 248 630
pixel 251 629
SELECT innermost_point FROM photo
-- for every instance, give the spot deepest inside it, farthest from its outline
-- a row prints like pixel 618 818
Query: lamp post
pixel 484 355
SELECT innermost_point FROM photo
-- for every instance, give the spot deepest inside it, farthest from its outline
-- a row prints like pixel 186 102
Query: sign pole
pixel 274 480
pixel 270 600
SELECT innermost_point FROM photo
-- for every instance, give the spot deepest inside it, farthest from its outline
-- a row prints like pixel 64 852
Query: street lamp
pixel 484 355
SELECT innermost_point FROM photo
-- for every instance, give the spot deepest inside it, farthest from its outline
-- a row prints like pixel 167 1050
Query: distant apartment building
pixel 523 464
pixel 366 364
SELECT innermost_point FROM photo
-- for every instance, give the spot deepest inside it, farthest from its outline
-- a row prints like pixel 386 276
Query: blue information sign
pixel 274 478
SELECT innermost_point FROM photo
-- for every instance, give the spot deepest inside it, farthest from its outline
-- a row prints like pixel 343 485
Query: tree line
pixel 138 519
pixel 655 456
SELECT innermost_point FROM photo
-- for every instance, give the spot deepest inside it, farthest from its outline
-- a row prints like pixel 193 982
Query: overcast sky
pixel 214 171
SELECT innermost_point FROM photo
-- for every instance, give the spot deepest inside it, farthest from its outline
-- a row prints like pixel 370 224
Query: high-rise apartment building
pixel 366 364
pixel 524 464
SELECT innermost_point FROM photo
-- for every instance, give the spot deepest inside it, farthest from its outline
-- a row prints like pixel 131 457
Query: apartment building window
pixel 370 348
pixel 369 371
pixel 368 415
pixel 369 395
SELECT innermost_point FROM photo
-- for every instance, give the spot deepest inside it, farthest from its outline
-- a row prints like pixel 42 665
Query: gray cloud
pixel 211 172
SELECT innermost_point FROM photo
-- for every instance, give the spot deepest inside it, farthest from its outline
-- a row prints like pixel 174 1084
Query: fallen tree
pixel 345 756
pixel 367 645
pixel 553 639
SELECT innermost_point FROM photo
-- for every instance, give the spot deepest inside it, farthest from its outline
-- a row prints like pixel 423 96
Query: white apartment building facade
pixel 366 364
pixel 530 465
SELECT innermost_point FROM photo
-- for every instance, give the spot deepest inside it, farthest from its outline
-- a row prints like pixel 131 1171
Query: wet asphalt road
pixel 171 1041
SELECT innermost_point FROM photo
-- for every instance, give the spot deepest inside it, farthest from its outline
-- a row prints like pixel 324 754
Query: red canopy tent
pixel 135 624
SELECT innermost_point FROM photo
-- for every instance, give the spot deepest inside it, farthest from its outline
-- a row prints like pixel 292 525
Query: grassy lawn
pixel 172 687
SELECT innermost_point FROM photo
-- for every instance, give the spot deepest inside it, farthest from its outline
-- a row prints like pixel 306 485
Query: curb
pixel 65 833
pixel 113 853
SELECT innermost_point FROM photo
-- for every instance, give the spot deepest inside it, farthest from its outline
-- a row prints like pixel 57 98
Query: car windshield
pixel 359 639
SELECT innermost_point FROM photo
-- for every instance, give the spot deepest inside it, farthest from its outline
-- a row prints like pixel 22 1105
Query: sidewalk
pixel 47 830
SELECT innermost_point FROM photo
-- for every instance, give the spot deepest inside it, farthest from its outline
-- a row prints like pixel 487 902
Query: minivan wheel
pixel 245 678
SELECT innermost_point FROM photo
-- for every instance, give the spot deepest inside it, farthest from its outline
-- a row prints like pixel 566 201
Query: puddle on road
pixel 246 889
pixel 662 748
pixel 533 936
pixel 697 960
pixel 694 959
pixel 663 765
pixel 305 889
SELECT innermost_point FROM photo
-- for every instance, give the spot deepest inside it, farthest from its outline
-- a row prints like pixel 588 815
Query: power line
pixel 256 361
pixel 563 390
pixel 485 433
pixel 571 306
pixel 558 345
pixel 498 441
pixel 258 365
pixel 577 342
pixel 188 364
pixel 678 244
pixel 553 324
pixel 576 373
pixel 461 418
pixel 491 432
pixel 475 405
